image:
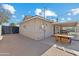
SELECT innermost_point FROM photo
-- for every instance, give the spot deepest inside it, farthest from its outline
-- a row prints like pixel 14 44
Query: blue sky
pixel 63 11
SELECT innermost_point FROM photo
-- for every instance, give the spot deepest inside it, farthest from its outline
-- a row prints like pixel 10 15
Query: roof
pixel 66 24
pixel 32 18
pixel 27 17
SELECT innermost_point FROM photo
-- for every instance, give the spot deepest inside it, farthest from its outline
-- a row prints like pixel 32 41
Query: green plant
pixel 12 24
pixel 4 15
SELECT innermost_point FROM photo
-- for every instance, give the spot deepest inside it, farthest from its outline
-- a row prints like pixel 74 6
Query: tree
pixel 12 24
pixel 4 15
pixel 3 18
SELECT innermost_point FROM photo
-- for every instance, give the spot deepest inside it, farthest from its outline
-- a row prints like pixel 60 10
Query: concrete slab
pixel 73 46
pixel 56 52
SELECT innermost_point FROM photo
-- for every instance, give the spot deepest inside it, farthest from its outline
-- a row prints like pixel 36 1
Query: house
pixel 36 27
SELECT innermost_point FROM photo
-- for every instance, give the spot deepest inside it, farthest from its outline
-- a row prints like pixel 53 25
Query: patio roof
pixel 66 24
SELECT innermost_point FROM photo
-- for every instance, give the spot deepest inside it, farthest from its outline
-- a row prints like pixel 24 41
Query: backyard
pixel 23 33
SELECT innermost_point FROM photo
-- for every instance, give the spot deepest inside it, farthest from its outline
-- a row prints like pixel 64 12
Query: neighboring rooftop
pixel 27 17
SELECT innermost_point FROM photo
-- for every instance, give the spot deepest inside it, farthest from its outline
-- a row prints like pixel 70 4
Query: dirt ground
pixel 18 45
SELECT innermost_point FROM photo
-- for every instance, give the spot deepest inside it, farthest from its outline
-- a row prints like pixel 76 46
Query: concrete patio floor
pixel 56 52
pixel 18 45
pixel 74 44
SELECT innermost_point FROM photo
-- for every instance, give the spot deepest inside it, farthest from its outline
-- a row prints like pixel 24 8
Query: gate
pixel 10 29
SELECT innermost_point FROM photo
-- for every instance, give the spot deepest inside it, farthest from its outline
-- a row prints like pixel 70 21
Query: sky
pixel 64 12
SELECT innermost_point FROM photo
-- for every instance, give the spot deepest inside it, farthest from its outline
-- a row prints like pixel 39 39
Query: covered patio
pixel 59 26
pixel 66 31
pixel 60 31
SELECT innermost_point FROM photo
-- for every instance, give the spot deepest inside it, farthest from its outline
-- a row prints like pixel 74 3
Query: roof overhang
pixel 66 24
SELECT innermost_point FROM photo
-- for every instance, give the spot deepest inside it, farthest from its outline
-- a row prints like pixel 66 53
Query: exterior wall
pixel 33 29
pixel 27 29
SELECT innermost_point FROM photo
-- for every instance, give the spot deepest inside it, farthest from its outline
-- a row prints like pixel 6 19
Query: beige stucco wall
pixel 33 29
